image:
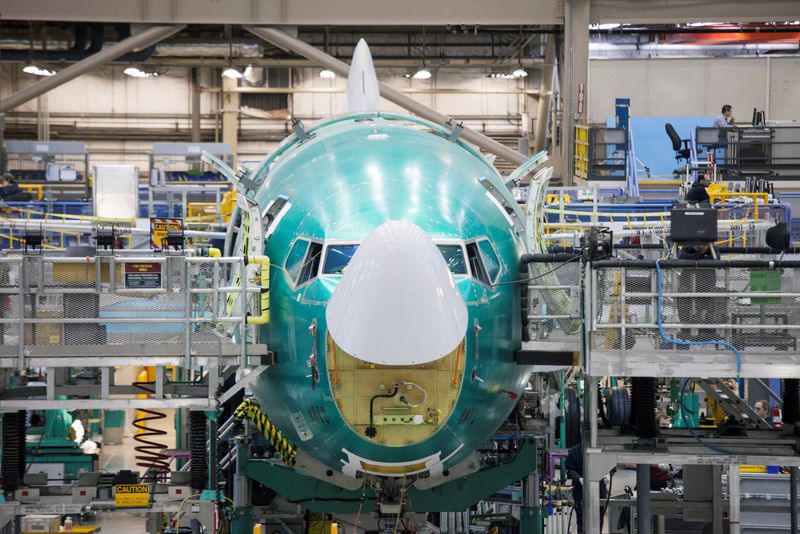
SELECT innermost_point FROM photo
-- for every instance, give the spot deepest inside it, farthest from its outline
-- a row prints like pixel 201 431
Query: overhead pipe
pixel 143 39
pixel 76 52
pixel 282 40
pixel 124 32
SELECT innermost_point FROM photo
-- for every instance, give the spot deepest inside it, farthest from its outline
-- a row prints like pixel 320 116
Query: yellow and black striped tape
pixel 251 411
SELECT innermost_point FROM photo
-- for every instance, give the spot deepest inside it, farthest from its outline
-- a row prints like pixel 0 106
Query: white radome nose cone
pixel 397 302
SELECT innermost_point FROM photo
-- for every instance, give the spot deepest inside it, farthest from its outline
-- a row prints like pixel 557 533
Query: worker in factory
pixel 723 123
pixel 763 410
pixel 8 188
pixel 725 120
pixel 574 467
pixel 698 193
pixel 699 310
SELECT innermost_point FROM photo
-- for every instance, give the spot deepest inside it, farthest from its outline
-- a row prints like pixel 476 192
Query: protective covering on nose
pixel 397 303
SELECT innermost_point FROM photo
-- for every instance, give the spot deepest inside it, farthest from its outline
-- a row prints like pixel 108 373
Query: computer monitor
pixel 706 136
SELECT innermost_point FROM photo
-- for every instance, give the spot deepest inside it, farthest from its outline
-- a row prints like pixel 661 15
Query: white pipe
pixel 142 39
pixel 287 42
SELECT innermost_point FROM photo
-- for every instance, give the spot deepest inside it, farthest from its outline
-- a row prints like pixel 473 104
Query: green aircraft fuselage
pixel 349 177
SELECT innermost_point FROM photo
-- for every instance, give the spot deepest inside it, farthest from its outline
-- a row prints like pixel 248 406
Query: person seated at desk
pixel 8 188
pixel 697 194
pixel 723 123
pixel 725 120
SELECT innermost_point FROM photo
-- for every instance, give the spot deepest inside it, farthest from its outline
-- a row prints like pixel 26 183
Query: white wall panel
pixel 784 89
pixel 610 79
pixel 693 87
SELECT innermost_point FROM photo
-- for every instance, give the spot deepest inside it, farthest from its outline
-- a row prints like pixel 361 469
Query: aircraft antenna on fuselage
pixel 363 95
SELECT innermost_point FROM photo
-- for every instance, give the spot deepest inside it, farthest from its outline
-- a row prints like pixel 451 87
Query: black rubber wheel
pixel 573 422
pixel 618 404
pixel 198 442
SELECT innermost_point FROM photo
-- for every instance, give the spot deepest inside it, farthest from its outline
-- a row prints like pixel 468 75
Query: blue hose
pixel 664 337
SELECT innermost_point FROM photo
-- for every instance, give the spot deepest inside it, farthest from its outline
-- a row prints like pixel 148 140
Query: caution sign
pixel 159 229
pixel 129 495
pixel 142 276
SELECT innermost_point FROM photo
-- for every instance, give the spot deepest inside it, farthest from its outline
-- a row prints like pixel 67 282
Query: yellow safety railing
pixel 581 162
pixel 763 197
pixel 263 279
pixel 36 191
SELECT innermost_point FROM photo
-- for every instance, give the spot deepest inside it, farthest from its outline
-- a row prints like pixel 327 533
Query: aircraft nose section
pixel 397 303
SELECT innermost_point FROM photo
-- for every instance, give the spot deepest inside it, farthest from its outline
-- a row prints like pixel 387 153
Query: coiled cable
pixel 150 455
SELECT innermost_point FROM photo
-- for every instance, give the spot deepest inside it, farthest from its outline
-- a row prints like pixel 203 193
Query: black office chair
pixel 680 153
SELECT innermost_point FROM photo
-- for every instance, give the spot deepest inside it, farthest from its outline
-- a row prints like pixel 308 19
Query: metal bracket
pixel 455 130
pixel 300 131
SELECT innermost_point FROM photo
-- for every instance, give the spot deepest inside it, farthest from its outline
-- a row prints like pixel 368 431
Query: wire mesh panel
pixel 701 308
pixel 160 301
pixel 10 271
pixel 554 303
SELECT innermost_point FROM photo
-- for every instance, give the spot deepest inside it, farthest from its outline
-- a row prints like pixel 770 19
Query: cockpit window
pixel 476 263
pixel 337 258
pixel 454 257
pixel 490 260
pixel 294 261
pixel 310 263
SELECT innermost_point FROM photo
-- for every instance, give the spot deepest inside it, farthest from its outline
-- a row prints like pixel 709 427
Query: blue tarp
pixel 653 147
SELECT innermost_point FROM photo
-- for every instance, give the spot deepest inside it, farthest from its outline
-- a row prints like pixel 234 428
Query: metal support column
pixel 242 521
pixel 545 96
pixel 793 498
pixel 195 73
pixel 530 518
pixel 716 499
pixel 282 40
pixel 644 514
pixel 574 88
pixel 230 116
pixel 734 501
pixel 141 40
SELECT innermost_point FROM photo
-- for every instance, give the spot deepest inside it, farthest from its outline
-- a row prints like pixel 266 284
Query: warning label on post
pixel 142 276
pixel 128 495
pixel 159 229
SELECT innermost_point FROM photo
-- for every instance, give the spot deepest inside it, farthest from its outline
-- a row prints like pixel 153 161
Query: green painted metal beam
pixel 454 496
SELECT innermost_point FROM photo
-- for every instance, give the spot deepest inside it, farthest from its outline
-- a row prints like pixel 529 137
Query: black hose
pixel 791 400
pixel 643 409
pixel 371 431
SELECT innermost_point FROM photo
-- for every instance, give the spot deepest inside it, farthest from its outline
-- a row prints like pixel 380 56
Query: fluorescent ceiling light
pixel 231 72
pixel 33 69
pixel 136 72
pixel 606 26
pixel 422 74
pixel 327 74
pixel 519 73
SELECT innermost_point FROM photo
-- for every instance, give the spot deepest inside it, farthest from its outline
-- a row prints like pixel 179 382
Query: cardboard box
pixel 44 334
pixel 41 523
pixel 82 272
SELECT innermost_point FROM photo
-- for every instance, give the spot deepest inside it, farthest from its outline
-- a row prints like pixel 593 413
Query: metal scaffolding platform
pixel 98 313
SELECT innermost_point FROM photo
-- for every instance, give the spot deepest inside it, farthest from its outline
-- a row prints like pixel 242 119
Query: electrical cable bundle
pixel 251 411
